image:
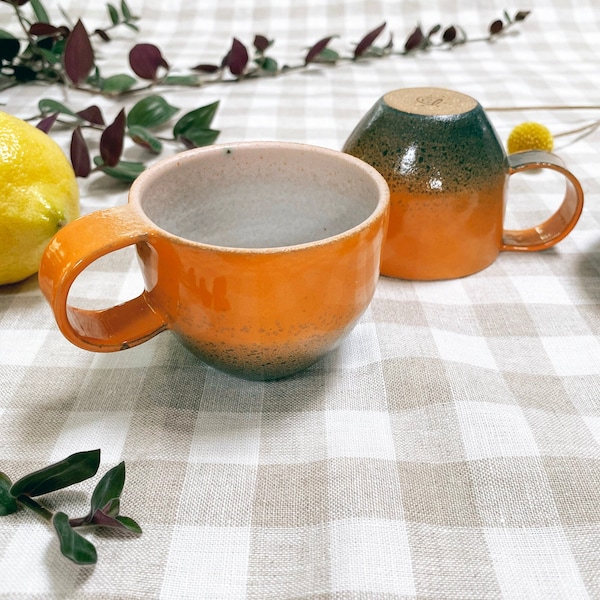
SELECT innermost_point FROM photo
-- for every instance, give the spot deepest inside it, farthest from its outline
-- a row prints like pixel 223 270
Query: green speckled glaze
pixel 446 170
pixel 454 151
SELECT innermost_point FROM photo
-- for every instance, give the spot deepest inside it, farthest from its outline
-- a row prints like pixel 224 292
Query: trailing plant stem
pixel 38 509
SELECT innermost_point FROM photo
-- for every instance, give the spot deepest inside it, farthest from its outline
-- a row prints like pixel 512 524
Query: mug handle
pixel 69 252
pixel 560 224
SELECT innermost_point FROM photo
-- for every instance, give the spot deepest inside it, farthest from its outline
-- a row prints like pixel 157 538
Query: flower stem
pixel 589 128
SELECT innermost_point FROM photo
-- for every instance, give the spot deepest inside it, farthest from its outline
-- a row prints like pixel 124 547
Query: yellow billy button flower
pixel 529 136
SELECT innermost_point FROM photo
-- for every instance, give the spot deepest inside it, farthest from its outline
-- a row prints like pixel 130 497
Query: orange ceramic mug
pixel 448 176
pixel 260 257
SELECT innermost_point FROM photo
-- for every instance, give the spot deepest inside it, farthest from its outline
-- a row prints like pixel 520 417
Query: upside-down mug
pixel 448 176
pixel 259 256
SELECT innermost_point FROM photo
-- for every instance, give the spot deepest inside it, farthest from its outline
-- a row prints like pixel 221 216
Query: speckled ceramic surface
pixel 260 256
pixel 447 172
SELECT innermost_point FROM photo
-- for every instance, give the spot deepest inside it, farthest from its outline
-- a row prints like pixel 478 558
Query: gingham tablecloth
pixel 449 449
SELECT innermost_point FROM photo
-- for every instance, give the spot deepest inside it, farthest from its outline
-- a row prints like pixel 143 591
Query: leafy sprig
pixel 241 62
pixel 141 125
pixel 104 505
pixel 64 53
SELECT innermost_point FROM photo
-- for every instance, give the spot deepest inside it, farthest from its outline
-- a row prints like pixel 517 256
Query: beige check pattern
pixel 449 449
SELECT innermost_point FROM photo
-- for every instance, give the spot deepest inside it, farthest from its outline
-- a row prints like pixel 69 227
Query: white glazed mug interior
pixel 258 195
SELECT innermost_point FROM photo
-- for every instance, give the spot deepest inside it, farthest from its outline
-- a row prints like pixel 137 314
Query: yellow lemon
pixel 529 136
pixel 38 195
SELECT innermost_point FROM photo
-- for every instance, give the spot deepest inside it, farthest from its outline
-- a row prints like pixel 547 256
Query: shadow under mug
pixel 259 256
pixel 448 176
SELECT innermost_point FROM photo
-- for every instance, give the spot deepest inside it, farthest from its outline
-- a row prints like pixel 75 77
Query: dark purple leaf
pixel 46 123
pixel 80 155
pixel 496 27
pixel 111 141
pixel 261 43
pixel 104 520
pixel 206 68
pixel 449 34
pixel 237 58
pixel 101 33
pixel 44 29
pixel 522 15
pixel 316 50
pixel 17 2
pixel 79 55
pixel 92 114
pixel 145 60
pixel 415 40
pixel 367 41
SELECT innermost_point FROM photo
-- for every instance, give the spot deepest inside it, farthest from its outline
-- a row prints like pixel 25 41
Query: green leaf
pixel 133 27
pixel 268 64
pixel 129 524
pixel 40 12
pixel 187 80
pixel 142 137
pixel 95 78
pixel 49 107
pixel 151 112
pixel 108 488
pixel 327 55
pixel 200 118
pixel 8 503
pixel 123 171
pixel 73 545
pixel 73 469
pixel 196 138
pixel 125 10
pixel 117 83
pixel 9 46
pixel 52 57
pixel 113 13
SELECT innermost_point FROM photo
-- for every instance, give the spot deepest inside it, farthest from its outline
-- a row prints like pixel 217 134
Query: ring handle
pixel 74 248
pixel 560 224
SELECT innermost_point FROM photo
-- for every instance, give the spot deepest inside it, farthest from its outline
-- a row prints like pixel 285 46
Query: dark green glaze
pixel 429 153
pixel 446 169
